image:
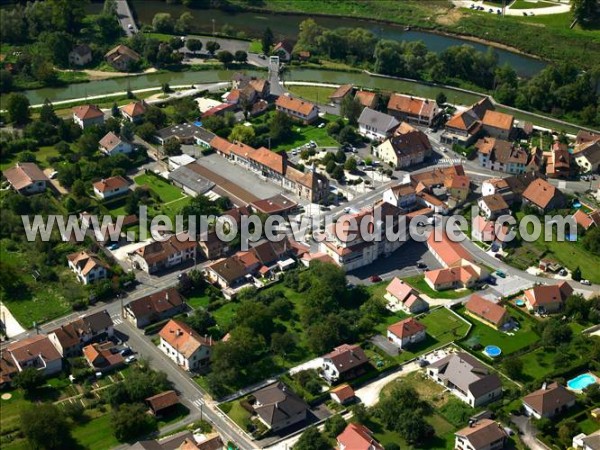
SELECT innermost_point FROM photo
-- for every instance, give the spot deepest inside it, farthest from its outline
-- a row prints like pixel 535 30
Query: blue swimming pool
pixel 520 302
pixel 492 351
pixel 580 382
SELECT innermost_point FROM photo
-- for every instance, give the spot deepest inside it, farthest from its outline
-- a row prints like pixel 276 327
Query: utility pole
pixel 213 22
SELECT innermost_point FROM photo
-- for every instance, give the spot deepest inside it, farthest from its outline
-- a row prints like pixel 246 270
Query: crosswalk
pixel 198 403
pixel 116 319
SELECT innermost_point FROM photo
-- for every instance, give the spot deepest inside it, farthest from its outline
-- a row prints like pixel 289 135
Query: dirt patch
pixel 6 396
pixel 449 17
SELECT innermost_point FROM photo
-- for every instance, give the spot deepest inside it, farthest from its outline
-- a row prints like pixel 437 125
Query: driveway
pixel 369 394
pixel 385 345
pixel 527 432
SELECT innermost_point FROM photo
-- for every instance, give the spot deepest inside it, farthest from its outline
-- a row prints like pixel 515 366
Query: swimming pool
pixel 580 382
pixel 492 351
pixel 520 302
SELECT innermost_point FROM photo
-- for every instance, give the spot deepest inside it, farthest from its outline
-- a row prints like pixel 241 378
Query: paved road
pixel 126 18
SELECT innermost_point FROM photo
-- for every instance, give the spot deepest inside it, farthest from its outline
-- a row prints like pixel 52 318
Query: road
pixel 126 18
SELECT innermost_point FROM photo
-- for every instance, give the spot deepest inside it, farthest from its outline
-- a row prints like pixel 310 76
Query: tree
pixel 592 393
pixel 225 56
pixel 312 439
pixel 335 425
pixel 185 23
pixel 17 106
pixel 172 147
pixel 194 45
pixel 242 133
pixel 131 420
pixel 156 116
pixel 513 367
pixel 115 111
pixel 330 166
pixel 566 431
pixel 591 240
pixel 283 343
pixel 351 165
pixel 110 7
pixel 441 99
pixel 29 379
pixel 212 47
pixel 127 130
pixel 267 41
pixel 6 81
pixel 340 156
pixel 584 10
pixel 351 109
pixel 163 23
pixel 240 56
pixel 338 173
pixel 47 114
pixel 201 321
pixel 576 275
pixel 45 427
pixel 280 126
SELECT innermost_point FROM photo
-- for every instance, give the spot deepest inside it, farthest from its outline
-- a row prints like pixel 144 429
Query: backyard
pixel 166 192
pixel 41 156
pixel 317 94
pixel 484 335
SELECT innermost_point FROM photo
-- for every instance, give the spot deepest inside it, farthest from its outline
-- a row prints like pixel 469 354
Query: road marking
pixel 198 403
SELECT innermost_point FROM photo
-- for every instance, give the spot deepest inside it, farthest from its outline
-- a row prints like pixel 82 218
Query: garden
pixel 418 282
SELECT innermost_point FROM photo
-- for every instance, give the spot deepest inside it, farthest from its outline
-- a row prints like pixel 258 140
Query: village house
pixel 547 402
pixel 69 338
pixel 185 347
pixel 278 204
pixel 134 111
pixel 278 407
pixel 401 296
pixel 122 58
pixel 357 437
pixel 341 93
pixel 486 231
pixel 154 307
pixel 184 440
pixel 344 363
pixel 80 55
pixel 36 352
pixel 415 110
pixel 458 188
pixel 26 178
pixel 547 299
pixel 211 246
pixel 162 403
pixel 587 220
pixel 403 196
pixel 185 133
pixel 260 86
pixel 376 125
pixel 511 188
pixel 406 333
pixel 466 126
pixel 87 267
pixel 487 311
pixel 493 206
pixel 284 49
pixel 590 441
pixel 484 434
pixel 407 147
pixel 343 394
pixel 103 357
pixel 467 378
pixel 587 155
pixel 498 125
pixel 542 196
pixel 162 255
pixel 297 109
pixel 459 270
pixel 501 155
pixel 88 115
pixel 111 187
pixel 558 161
pixel 351 250
pixel 368 99
pixel 111 145
pixel 309 185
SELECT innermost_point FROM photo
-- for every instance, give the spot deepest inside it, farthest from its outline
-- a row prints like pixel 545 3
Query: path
pixel 527 432
pixel 11 326
pixel 559 8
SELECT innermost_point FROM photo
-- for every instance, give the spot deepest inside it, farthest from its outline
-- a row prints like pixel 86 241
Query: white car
pixel 130 26
pixel 130 359
pixel 586 282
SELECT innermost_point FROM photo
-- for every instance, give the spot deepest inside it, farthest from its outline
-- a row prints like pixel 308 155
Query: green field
pixel 486 335
pixel 315 94
pixel 163 189
pixel 41 156
pixel 418 282
pixel 525 4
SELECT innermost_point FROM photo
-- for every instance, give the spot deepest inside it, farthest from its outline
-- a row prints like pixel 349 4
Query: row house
pixel 297 109
pixel 161 255
pixel 348 249
pixel 419 111
pixel 69 338
pixel 188 349
pixel 501 155
pixel 466 126
pixel 155 307
pixel 407 147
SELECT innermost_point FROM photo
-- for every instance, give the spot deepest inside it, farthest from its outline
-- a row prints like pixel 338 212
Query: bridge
pixel 126 18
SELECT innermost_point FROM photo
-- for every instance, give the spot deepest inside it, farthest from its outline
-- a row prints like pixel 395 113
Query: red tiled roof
pixel 540 193
pixel 498 120
pixel 295 104
pixel 448 251
pixel 23 175
pixel 343 392
pixel 406 328
pixel 180 336
pixel 134 109
pixel 366 98
pixel 85 112
pixel 548 294
pixel 410 105
pixel 399 289
pixel 486 309
pixel 358 437
pixel 163 400
pixel 110 184
pixel 342 91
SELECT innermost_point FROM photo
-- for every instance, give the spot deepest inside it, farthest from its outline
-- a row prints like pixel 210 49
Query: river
pixel 253 24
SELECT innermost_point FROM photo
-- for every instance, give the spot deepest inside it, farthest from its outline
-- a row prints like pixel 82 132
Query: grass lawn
pixel 255 46
pixel 528 4
pixel 568 254
pixel 97 434
pixel 197 301
pixel 418 282
pixel 316 94
pixel 236 413
pixel 165 191
pixel 487 335
pixel 41 155
pixel 225 314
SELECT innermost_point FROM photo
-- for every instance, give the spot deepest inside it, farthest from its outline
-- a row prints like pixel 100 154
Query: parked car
pixel 321 125
pixel 130 359
pixel 586 282
pixel 421 265
pixel 500 274
pixel 375 278
pixel 498 256
pixel 113 246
